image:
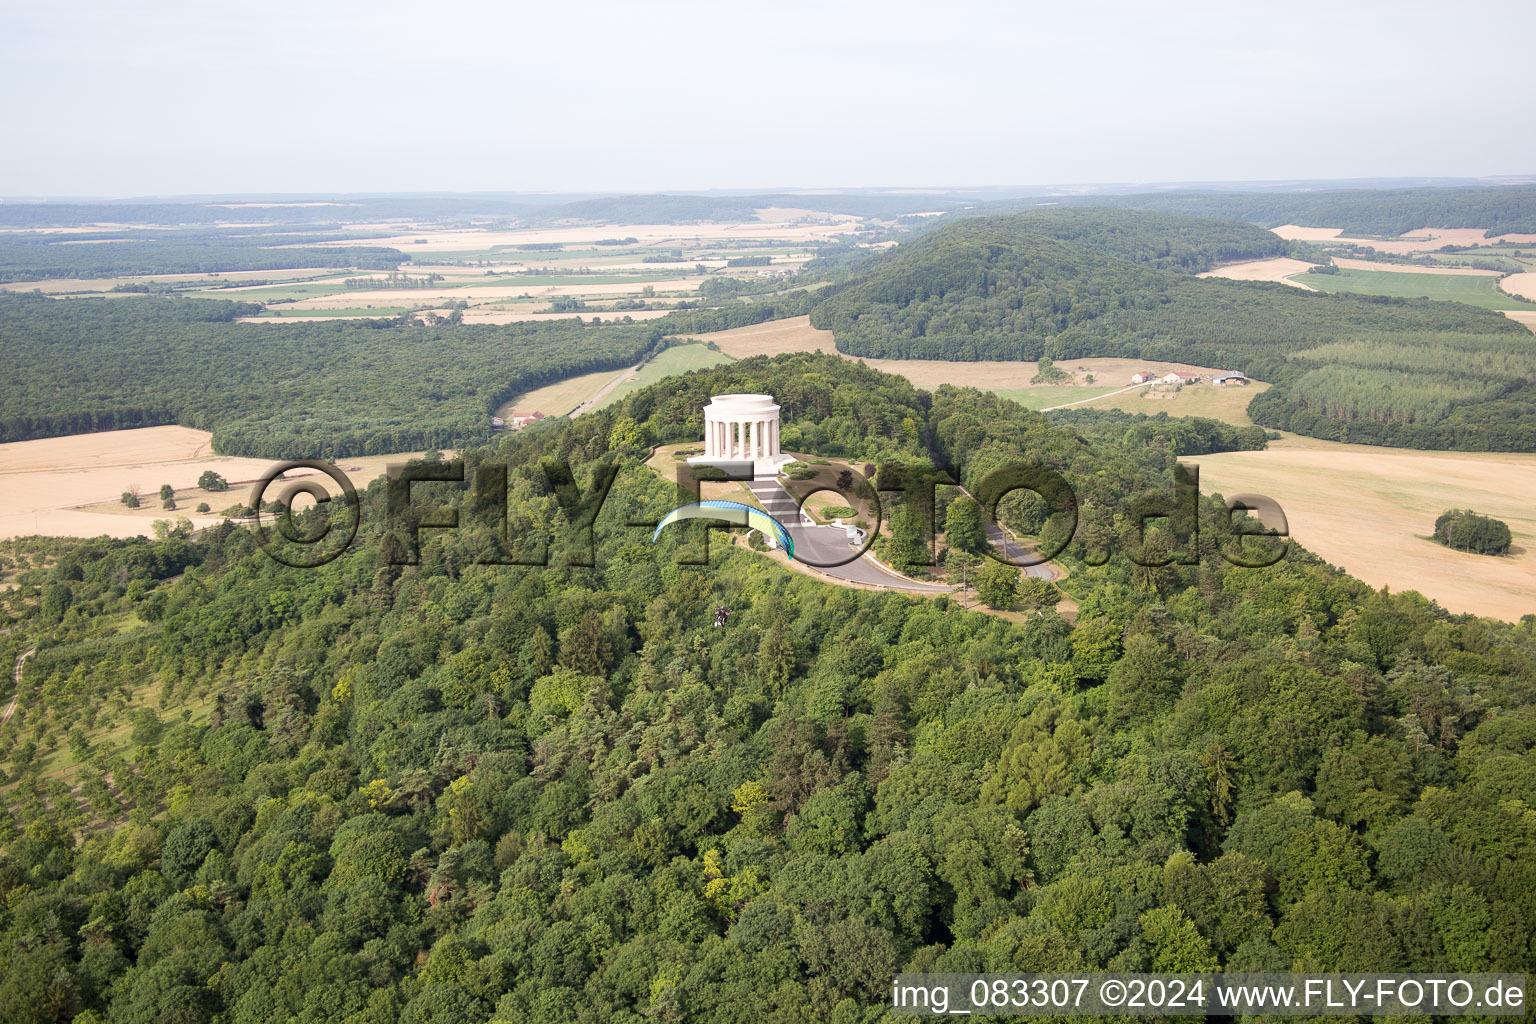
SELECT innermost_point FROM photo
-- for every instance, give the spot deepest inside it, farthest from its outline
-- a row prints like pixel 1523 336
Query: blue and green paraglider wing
pixel 731 512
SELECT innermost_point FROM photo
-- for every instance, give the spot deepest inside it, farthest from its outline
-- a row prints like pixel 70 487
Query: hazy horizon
pixel 180 99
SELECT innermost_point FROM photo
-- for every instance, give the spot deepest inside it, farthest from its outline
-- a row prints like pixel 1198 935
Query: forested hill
pixel 280 391
pixel 457 792
pixel 1002 287
pixel 25 257
pixel 1078 282
pixel 1496 209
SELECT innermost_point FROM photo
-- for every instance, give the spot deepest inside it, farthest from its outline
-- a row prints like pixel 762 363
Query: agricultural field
pixel 1012 379
pixel 1480 290
pixel 1407 244
pixel 562 397
pixel 1279 268
pixel 489 275
pixel 678 359
pixel 1371 510
pixel 71 486
pixel 593 391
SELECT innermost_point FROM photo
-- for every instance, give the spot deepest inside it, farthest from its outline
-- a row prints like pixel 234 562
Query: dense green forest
pixel 1497 209
pixel 1076 283
pixel 119 254
pixel 371 793
pixel 309 390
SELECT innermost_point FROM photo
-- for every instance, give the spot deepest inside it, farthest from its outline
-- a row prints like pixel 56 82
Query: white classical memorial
pixel 742 427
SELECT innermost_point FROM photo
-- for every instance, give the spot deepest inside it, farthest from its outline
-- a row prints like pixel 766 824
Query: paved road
pixel 1016 552
pixel 603 391
pixel 11 709
pixel 1095 398
pixel 815 543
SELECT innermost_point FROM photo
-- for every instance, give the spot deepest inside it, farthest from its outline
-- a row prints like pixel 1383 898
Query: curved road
pixel 830 544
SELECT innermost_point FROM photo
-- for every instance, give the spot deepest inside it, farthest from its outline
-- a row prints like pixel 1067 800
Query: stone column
pixel 763 441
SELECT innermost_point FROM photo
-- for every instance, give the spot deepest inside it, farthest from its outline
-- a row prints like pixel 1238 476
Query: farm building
pixel 1229 377
pixel 1174 377
pixel 521 420
pixel 1144 377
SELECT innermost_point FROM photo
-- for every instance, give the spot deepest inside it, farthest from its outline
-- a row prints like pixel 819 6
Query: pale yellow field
pixel 560 398
pixel 776 337
pixel 531 314
pixel 1297 233
pixel 453 240
pixel 69 486
pixel 1228 404
pixel 1523 285
pixel 1524 316
pixel 1369 510
pixel 71 285
pixel 1276 269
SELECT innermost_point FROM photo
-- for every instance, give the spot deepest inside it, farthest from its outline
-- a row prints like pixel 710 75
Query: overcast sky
pixel 165 97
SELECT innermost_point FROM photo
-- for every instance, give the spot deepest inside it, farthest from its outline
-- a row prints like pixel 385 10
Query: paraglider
pixel 732 512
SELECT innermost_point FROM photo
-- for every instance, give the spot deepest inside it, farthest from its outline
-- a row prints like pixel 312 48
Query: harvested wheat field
pixel 492 315
pixel 1370 511
pixel 1523 285
pixel 1527 317
pixel 1297 233
pixel 774 338
pixel 70 486
pixel 562 397
pixel 429 240
pixel 1277 269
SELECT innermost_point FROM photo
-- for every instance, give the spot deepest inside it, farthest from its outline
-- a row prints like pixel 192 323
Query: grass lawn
pixel 678 359
pixel 1046 397
pixel 1473 290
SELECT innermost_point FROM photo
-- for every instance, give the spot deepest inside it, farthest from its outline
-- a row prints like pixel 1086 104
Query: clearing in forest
pixel 1474 290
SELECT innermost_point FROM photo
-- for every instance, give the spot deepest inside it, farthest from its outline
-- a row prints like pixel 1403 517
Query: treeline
pixel 1181 435
pixel 29 258
pixel 277 209
pixel 1082 283
pixel 441 793
pixel 1497 209
pixel 311 390
pixel 684 209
